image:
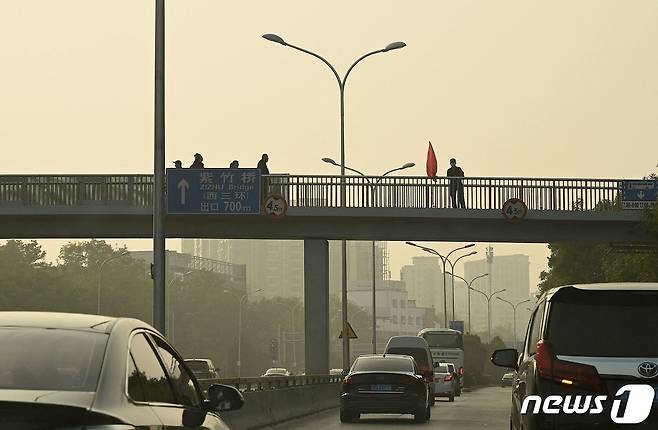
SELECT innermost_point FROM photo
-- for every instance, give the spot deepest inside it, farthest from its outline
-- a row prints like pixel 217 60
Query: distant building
pixel 424 282
pixel 234 275
pixel 359 265
pixel 276 266
pixel 509 272
pixel 396 314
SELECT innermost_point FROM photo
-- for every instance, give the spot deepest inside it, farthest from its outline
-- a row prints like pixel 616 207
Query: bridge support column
pixel 316 306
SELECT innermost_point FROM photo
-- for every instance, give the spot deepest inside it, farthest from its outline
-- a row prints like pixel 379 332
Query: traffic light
pixel 274 349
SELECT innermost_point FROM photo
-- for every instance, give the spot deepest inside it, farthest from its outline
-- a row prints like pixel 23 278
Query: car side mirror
pixel 506 358
pixel 344 373
pixel 224 398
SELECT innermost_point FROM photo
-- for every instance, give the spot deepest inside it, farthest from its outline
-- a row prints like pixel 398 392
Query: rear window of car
pixel 419 354
pixel 381 364
pixel 50 359
pixel 197 366
pixel 444 340
pixel 604 324
pixel 443 368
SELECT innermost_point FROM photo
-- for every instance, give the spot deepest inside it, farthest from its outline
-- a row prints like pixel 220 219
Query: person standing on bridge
pixel 178 164
pixel 234 164
pixel 262 165
pixel 456 185
pixel 198 162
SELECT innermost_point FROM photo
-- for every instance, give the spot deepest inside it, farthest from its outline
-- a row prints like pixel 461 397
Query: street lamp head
pixel 257 291
pixel 470 245
pixel 472 253
pixel 329 161
pixel 411 243
pixel 275 38
pixel 407 165
pixel 392 46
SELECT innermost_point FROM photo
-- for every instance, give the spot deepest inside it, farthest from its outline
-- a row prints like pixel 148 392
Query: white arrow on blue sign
pixel 639 194
pixel 214 191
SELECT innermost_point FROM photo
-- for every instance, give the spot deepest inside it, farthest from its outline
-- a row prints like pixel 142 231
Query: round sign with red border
pixel 275 205
pixel 515 209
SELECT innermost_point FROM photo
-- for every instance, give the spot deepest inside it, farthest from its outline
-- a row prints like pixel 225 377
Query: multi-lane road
pixel 485 408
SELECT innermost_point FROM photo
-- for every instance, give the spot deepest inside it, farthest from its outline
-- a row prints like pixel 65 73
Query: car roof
pixel 610 286
pixel 68 321
pixel 438 330
pixel 385 356
pixel 397 341
pixel 56 320
pixel 205 360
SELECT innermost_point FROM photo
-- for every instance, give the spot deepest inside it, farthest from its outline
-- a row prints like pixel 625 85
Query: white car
pixel 276 371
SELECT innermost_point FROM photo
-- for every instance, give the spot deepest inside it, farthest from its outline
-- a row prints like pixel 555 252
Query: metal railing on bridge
pixel 323 191
pixel 271 382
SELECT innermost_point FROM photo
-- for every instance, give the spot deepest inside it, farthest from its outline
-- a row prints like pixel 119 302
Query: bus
pixel 447 346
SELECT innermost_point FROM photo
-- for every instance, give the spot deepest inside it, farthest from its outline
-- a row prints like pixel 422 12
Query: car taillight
pixel 461 371
pixel 447 378
pixel 566 372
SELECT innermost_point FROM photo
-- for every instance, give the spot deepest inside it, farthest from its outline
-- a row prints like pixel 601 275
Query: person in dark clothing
pixel 456 185
pixel 262 165
pixel 198 162
pixel 178 164
pixel 234 164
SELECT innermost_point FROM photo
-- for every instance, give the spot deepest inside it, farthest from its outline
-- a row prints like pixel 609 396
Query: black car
pixel 94 372
pixel 584 342
pixel 384 384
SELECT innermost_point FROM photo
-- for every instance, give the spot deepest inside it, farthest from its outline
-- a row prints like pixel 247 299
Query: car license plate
pixel 380 387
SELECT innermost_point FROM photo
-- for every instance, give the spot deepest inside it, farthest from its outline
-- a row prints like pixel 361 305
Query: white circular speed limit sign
pixel 515 209
pixel 275 205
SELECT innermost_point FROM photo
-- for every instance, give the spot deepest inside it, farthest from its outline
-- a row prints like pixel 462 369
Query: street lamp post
pixel 452 271
pixel 468 285
pixel 242 300
pixel 171 303
pixel 489 297
pixel 100 274
pixel 516 343
pixel 343 193
pixel 374 302
pixel 444 260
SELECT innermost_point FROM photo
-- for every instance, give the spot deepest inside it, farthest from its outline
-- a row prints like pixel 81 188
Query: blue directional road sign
pixel 639 194
pixel 213 191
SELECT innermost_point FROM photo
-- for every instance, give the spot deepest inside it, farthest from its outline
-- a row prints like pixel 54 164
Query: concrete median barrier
pixel 264 408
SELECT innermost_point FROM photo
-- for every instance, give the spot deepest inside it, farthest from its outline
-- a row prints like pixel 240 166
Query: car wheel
pixel 451 398
pixel 459 392
pixel 422 415
pixel 348 417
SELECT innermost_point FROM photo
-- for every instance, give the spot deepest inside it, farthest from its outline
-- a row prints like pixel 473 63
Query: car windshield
pixel 604 324
pixel 419 354
pixel 197 366
pixel 444 340
pixel 383 364
pixel 50 359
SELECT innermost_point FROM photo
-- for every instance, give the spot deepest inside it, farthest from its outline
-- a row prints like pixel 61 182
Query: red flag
pixel 431 163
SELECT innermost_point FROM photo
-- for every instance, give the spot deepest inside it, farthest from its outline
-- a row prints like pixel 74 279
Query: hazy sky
pixel 510 88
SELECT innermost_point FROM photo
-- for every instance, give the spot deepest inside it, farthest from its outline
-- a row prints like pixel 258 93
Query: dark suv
pixel 585 340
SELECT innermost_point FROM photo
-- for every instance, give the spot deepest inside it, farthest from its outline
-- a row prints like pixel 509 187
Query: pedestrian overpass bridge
pixel 376 208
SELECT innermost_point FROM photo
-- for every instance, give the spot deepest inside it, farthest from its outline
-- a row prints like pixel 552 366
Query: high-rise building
pixel 423 279
pixel 509 272
pixel 359 265
pixel 275 266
